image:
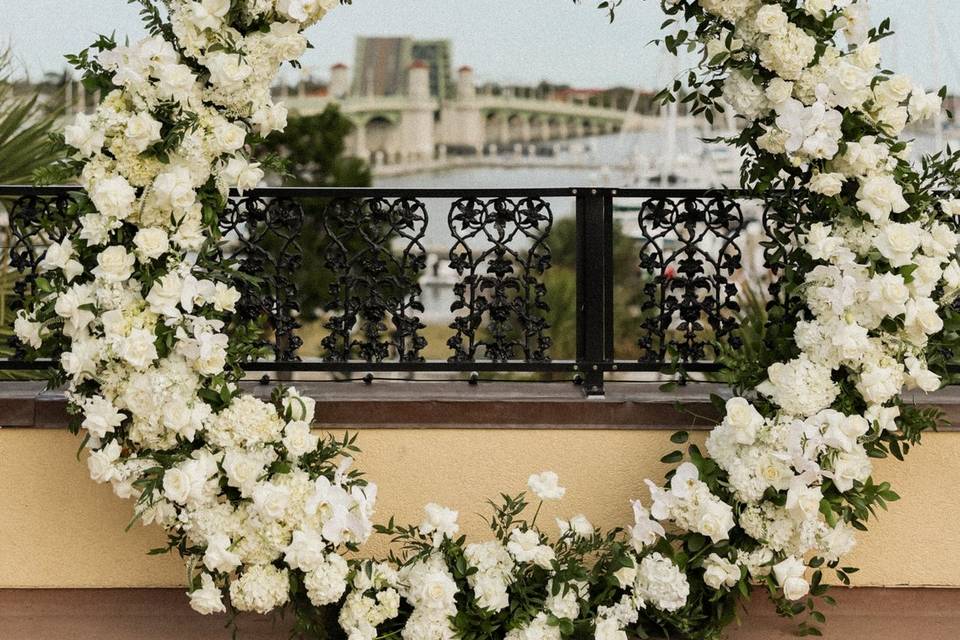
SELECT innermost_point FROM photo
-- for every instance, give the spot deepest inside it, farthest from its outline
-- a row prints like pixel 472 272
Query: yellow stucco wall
pixel 58 529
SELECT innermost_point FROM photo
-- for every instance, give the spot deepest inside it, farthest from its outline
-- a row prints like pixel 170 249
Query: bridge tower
pixel 463 125
pixel 417 120
pixel 339 81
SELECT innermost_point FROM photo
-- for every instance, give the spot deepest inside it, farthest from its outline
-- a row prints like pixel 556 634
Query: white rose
pixel 176 485
pixel 113 197
pixel 898 242
pixel 270 118
pixel 306 551
pixel 298 439
pixel 894 90
pixel 879 196
pixel 867 56
pixel 28 331
pixel 229 137
pixel 819 8
pixel 301 408
pixel 789 575
pixel 771 19
pixel 850 467
pixel 779 91
pixel 715 520
pixel 241 174
pixel 827 184
pixel 243 469
pixel 546 485
pixel 888 294
pixel 218 556
pixel 142 131
pixel 924 106
pixel 151 243
pixel 173 190
pixel 139 349
pixel 114 264
pixel 208 598
pixel 744 420
pixel 720 572
pixel 100 417
pixel 227 70
pixel 101 463
pixel 176 81
pixel 270 500
pixel 880 384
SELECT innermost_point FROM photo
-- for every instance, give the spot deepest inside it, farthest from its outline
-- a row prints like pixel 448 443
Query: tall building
pixel 382 65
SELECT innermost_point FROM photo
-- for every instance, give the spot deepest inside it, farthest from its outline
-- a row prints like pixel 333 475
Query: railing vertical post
pixel 594 287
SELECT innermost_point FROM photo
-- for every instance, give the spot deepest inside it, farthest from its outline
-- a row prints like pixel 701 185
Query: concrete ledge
pixel 489 405
pixel 163 614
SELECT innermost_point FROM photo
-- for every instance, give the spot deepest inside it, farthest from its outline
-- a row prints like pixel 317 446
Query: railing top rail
pixel 422 192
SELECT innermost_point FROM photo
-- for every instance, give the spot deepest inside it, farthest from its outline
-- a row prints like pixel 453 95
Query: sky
pixel 507 41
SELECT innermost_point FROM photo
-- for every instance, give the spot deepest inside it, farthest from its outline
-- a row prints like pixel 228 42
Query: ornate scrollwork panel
pixel 689 254
pixel 500 255
pixel 376 255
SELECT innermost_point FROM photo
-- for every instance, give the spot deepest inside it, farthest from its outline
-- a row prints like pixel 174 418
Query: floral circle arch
pixel 139 307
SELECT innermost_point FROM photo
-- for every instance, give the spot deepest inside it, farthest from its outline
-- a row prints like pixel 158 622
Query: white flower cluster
pixel 146 321
pixel 690 505
pixel 373 599
pixel 882 272
pixel 494 566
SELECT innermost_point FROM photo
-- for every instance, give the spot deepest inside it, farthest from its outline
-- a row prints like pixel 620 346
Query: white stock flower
pixel 879 196
pixel 546 486
pixel 261 588
pixel 578 525
pixel 84 136
pixel 439 522
pixel 525 546
pixel 644 531
pixel 114 197
pixel 661 584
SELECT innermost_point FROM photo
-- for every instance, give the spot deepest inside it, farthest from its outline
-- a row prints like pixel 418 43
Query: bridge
pixel 419 130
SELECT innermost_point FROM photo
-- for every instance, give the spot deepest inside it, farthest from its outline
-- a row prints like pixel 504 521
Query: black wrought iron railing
pixel 474 281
